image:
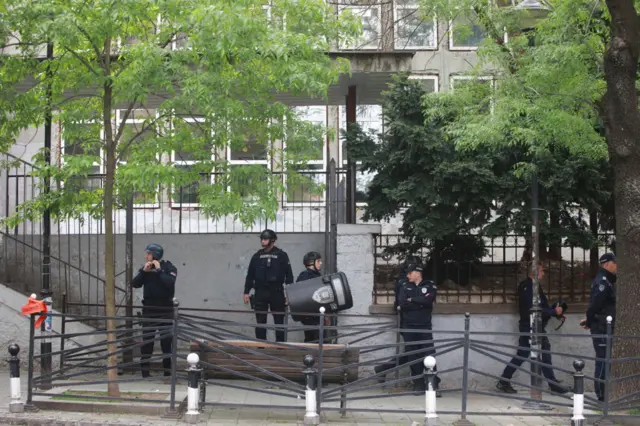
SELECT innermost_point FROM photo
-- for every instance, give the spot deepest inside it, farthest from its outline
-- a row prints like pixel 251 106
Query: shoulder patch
pixel 424 290
pixel 601 287
pixel 604 278
pixel 175 274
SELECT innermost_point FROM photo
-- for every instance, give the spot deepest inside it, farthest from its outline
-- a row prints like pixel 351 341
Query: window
pixel 83 139
pixel 249 165
pixel 370 119
pixel 140 126
pixel 194 134
pixel 371 27
pixel 412 30
pixel 306 186
pixel 465 32
pixel 430 83
pixel 481 88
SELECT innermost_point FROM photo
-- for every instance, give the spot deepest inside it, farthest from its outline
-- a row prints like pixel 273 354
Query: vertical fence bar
pixel 320 361
pixel 32 335
pixel 465 371
pixel 16 405
pixel 63 328
pixel 174 358
pixel 398 340
pixel 607 367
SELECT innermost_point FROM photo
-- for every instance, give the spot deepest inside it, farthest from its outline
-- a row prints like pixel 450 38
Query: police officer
pixel 400 281
pixel 312 263
pixel 158 277
pixel 268 271
pixel 601 305
pixel 416 298
pixel 525 303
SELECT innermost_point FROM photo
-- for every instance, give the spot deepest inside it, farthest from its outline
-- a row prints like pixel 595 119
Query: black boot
pixel 381 369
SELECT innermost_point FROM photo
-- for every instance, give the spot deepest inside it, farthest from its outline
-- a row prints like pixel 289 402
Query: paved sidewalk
pixel 262 410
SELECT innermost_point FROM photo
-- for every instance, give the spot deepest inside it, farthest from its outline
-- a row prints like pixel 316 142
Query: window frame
pixel 323 162
pixel 354 8
pixel 175 162
pixel 268 162
pixel 396 23
pixel 156 203
pixel 62 155
pixel 455 48
pixel 434 77
pixel 343 160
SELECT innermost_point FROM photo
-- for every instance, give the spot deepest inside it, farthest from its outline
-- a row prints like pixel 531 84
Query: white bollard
pixel 431 416
pixel 192 415
pixel 311 416
pixel 16 405
pixel 578 395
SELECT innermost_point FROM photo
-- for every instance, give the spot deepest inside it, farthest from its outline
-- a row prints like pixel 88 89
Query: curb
pixel 33 419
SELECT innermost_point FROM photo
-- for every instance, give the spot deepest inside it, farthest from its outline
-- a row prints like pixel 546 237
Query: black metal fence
pixel 242 371
pixel 495 277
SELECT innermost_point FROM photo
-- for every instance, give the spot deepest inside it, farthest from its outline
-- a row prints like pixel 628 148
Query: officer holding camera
pixel 269 270
pixel 158 279
pixel 416 298
pixel 601 305
pixel 525 298
pixel 312 263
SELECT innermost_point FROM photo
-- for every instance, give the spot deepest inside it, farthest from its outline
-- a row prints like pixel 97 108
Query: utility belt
pixel 269 286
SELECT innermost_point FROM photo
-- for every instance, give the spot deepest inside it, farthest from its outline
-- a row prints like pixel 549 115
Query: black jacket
pixel 268 270
pixel 416 302
pixel 159 285
pixel 603 301
pixel 308 274
pixel 525 303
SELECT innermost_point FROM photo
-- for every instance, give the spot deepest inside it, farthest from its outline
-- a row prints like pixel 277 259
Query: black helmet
pixel 268 234
pixel 411 260
pixel 156 251
pixel 311 257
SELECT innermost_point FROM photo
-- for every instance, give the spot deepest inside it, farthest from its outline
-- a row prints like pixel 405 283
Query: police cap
pixel 607 257
pixel 414 267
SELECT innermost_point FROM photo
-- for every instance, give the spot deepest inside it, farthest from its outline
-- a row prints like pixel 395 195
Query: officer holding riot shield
pixel 269 270
pixel 312 263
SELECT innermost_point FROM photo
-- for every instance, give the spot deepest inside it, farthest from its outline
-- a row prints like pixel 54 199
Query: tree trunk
pixel 622 123
pixel 555 242
pixel 109 261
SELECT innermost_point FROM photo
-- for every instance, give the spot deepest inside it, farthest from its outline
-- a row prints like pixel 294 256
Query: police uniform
pixel 416 302
pixel 601 305
pixel 400 282
pixel 525 303
pixel 311 335
pixel 158 293
pixel 268 271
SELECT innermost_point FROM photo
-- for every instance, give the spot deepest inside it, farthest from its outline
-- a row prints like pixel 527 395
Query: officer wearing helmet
pixel 157 277
pixel 269 270
pixel 312 263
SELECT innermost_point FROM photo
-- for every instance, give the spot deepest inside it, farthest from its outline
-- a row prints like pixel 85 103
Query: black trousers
pixel 311 335
pixel 271 300
pixel 523 354
pixel 420 340
pixel 600 346
pixel 163 326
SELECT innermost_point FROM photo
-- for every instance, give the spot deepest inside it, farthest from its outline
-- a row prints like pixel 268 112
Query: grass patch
pixel 635 412
pixel 101 396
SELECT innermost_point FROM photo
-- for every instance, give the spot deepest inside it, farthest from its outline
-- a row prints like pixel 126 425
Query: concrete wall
pixel 355 258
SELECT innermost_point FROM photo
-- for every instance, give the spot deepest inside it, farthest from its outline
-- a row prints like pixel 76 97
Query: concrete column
pixel 351 103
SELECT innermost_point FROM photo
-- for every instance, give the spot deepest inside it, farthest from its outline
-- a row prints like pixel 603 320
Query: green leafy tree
pixel 168 64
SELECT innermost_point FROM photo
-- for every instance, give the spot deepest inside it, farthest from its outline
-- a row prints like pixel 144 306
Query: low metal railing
pixel 340 370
